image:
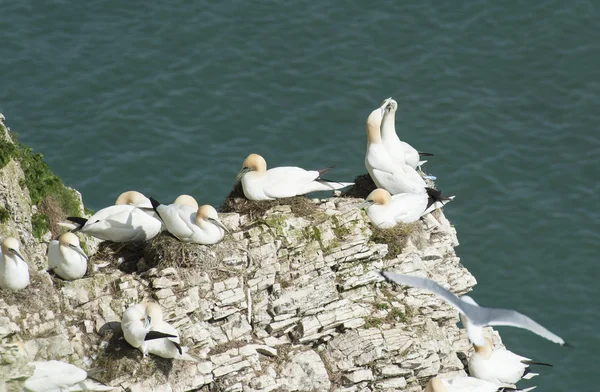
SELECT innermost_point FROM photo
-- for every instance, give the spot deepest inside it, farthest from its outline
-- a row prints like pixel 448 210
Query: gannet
pixel 189 224
pixel 144 329
pixel 185 200
pixel 387 175
pixel 123 222
pixel 386 211
pixel 467 384
pixel 56 376
pixel 478 316
pixel 400 151
pixel 259 183
pixel 66 258
pixel 500 366
pixel 14 273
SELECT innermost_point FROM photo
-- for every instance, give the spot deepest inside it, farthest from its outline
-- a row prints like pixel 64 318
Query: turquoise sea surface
pixel 169 98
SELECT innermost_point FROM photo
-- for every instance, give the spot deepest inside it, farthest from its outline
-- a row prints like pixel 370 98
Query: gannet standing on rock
pixel 56 376
pixel 259 183
pixel 144 329
pixel 467 384
pixel 385 173
pixel 14 273
pixel 66 258
pixel 400 151
pixel 386 211
pixel 189 224
pixel 476 316
pixel 122 222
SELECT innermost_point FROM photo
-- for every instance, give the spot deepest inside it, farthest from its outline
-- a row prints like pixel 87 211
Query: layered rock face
pixel 289 301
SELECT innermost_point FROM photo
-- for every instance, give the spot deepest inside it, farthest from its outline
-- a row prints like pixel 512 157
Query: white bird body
pixel 465 384
pixel 56 376
pixel 259 183
pixel 395 178
pixel 386 211
pixel 14 272
pixel 66 258
pixel 189 224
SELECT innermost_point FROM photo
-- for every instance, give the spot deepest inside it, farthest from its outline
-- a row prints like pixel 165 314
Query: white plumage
pixel 56 376
pixel 259 183
pixel 465 384
pixel 189 224
pixel 66 258
pixel 14 272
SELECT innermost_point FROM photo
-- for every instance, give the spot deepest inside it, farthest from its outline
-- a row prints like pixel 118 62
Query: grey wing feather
pixel 515 319
pixel 427 284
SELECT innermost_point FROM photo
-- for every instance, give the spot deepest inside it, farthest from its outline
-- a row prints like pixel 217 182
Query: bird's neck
pixel 388 126
pixel 373 135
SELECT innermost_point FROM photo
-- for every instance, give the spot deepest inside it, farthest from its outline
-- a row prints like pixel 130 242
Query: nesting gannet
pixel 385 211
pixel 259 183
pixel 123 222
pixel 66 258
pixel 385 173
pixel 14 273
pixel 478 316
pixel 186 200
pixel 144 329
pixel 56 376
pixel 189 224
pixel 467 384
pixel 500 366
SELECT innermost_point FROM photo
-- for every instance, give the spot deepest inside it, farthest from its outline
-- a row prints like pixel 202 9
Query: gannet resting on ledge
pixel 259 183
pixel 56 376
pixel 467 384
pixel 14 272
pixel 66 258
pixel 386 211
pixel 477 317
pixel 189 224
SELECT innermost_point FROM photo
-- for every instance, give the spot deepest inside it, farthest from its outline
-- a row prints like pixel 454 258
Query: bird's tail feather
pixel 327 185
pixel 155 205
pixel 435 196
pixel 530 362
pixel 507 389
pixel 79 222
pixel 425 154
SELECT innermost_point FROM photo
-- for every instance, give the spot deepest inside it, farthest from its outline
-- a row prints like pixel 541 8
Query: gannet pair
pixel 386 211
pixel 56 376
pixel 259 183
pixel 131 219
pixel 143 328
pixel 66 258
pixel 190 223
pixel 395 178
pixel 504 368
pixel 14 272
pixel 400 152
pixel 467 384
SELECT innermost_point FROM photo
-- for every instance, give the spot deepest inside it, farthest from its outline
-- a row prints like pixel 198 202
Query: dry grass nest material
pixel 39 296
pixel 363 186
pixel 125 255
pixel 236 202
pixel 395 238
pixel 165 250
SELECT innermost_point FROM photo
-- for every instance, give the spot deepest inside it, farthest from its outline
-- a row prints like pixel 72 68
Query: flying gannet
pixel 259 183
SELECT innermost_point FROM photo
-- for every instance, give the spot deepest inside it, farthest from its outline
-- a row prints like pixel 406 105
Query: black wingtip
pixel 325 170
pixel 77 220
pixel 529 362
pixel 435 196
pixel 155 203
pixel 568 345
pixel 425 154
pixel 158 335
pixel 178 348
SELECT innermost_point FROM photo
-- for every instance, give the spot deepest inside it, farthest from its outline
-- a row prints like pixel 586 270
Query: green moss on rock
pixel 4 215
pixel 40 224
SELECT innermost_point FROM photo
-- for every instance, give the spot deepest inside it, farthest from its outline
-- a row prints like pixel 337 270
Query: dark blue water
pixel 169 98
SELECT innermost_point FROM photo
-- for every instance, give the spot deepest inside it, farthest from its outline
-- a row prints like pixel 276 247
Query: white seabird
pixel 144 329
pixel 189 224
pixel 186 200
pixel 123 222
pixel 478 316
pixel 385 173
pixel 501 367
pixel 56 376
pixel 386 211
pixel 259 183
pixel 400 151
pixel 66 258
pixel 467 384
pixel 14 272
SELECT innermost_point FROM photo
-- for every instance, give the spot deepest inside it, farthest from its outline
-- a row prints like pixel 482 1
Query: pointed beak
pixel 216 222
pixel 16 252
pixel 365 204
pixel 80 251
pixel 385 105
pixel 148 322
pixel 241 173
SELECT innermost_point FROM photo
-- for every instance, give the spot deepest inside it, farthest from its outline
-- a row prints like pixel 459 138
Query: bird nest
pixel 39 296
pixel 395 238
pixel 363 186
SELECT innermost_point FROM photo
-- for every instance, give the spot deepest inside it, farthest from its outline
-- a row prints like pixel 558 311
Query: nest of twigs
pixel 363 186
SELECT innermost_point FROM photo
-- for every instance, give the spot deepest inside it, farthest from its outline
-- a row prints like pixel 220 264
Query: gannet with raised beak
pixel 66 258
pixel 386 211
pixel 123 222
pixel 189 224
pixel 467 384
pixel 259 183
pixel 394 178
pixel 14 272
pixel 144 329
